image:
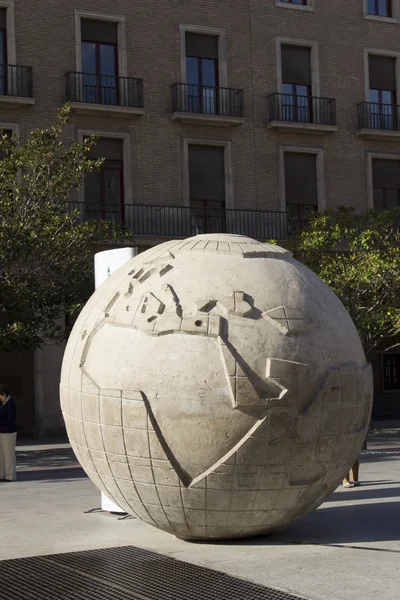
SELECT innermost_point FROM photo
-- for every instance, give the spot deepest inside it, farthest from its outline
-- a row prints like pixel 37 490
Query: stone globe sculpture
pixel 216 388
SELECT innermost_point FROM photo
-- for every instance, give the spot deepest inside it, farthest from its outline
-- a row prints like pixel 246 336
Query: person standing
pixel 352 477
pixel 8 435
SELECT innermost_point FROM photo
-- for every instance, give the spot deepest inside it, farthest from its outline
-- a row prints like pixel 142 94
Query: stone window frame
pixel 9 5
pixel 380 52
pixel 310 7
pixel 14 127
pixel 393 19
pixel 222 52
pixel 315 74
pixel 126 160
pixel 203 141
pixel 370 155
pixel 319 153
pixel 121 24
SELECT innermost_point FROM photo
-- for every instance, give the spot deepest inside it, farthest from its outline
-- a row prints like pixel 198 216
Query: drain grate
pixel 125 573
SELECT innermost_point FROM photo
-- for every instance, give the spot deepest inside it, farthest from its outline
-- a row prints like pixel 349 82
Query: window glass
pixel 299 2
pixel 287 88
pixel 391 371
pixel 378 199
pixel 392 198
pixel 104 196
pixel 380 8
pixel 88 57
pixel 107 59
pixel 302 90
pixel 112 186
pixel 208 71
pixel 387 97
pixel 192 70
pixel 92 190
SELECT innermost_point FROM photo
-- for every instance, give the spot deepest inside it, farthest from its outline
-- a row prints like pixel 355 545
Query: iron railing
pixel 16 81
pixel 181 221
pixel 374 115
pixel 291 108
pixel 207 100
pixel 91 88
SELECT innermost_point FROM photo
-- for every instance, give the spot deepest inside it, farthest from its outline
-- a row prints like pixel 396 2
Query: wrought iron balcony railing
pixel 374 115
pixel 16 81
pixel 109 90
pixel 206 100
pixel 181 221
pixel 291 108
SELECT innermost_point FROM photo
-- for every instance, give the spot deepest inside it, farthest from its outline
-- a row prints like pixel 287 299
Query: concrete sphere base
pixel 216 388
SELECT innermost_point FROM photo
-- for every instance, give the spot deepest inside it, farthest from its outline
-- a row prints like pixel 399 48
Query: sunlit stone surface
pixel 215 388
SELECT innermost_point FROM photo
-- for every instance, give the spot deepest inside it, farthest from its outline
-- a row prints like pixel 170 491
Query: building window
pixel 308 5
pixel 386 183
pixel 207 188
pixel 202 73
pixel 298 2
pixel 382 92
pixel 380 8
pixel 301 188
pixel 104 189
pixel 99 50
pixel 3 51
pixel 391 372
pixel 8 133
pixel 296 83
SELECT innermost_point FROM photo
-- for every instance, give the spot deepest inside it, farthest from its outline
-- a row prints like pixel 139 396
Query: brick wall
pixel 45 39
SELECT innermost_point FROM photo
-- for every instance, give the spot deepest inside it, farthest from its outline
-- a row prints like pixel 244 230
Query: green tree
pixel 46 251
pixel 358 256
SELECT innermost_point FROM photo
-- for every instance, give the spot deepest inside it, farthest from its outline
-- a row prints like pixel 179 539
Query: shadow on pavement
pixel 45 459
pixel 355 523
pixel 49 475
pixel 351 524
pixel 380 455
pixel 365 492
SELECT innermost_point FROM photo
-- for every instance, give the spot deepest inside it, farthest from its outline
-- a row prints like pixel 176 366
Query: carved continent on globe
pixel 216 388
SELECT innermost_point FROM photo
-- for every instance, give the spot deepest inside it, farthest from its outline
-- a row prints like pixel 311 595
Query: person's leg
pixel 346 482
pixel 355 470
pixel 1 457
pixel 10 463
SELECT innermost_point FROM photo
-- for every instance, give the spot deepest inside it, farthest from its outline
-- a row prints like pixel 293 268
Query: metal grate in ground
pixel 125 573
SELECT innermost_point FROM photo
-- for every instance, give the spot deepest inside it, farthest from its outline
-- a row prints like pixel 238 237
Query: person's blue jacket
pixel 8 417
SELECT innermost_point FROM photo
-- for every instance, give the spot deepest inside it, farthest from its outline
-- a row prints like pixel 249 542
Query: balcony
pixel 301 113
pixel 206 105
pixel 16 86
pixel 104 94
pixel 160 222
pixel 378 121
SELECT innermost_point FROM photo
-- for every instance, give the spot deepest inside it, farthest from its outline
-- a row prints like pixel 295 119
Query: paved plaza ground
pixel 350 546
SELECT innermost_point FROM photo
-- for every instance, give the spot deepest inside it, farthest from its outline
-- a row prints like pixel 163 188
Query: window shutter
pixel 3 18
pixel 296 64
pixel 301 178
pixel 109 148
pixel 99 31
pixel 386 173
pixel 382 72
pixel 207 173
pixel 202 46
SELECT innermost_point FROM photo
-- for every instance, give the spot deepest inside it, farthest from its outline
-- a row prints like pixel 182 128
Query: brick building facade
pixel 243 115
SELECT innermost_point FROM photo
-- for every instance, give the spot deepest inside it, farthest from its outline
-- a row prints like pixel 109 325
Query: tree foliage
pixel 46 250
pixel 358 256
